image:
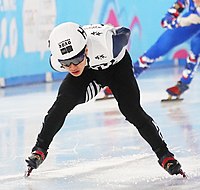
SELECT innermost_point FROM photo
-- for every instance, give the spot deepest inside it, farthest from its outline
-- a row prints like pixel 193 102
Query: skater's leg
pixel 168 40
pixel 64 103
pixel 126 92
pixel 72 92
pixel 192 63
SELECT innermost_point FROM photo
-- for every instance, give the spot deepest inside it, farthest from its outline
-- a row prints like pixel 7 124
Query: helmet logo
pixel 65 46
pixel 82 32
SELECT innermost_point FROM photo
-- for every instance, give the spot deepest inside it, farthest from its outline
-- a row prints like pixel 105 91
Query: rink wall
pixel 25 26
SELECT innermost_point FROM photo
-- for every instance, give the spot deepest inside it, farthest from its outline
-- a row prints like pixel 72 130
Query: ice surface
pixel 97 148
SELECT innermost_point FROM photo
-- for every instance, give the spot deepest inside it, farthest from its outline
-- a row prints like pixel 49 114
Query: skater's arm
pixel 120 39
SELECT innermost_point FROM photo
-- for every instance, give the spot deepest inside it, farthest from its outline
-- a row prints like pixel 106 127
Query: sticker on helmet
pixel 65 46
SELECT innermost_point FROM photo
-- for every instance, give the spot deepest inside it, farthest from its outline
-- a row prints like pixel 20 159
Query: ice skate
pixel 107 94
pixel 139 66
pixel 175 92
pixel 35 160
pixel 171 165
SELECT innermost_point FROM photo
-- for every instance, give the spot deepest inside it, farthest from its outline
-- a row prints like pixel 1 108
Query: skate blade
pixel 171 99
pixel 28 172
pixel 183 174
pixel 105 98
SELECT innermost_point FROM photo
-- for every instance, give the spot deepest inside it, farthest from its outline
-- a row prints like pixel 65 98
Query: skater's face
pixel 197 3
pixel 77 69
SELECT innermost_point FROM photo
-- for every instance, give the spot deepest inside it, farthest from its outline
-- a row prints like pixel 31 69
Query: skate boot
pixel 107 94
pixel 139 66
pixel 171 165
pixel 107 91
pixel 35 160
pixel 175 92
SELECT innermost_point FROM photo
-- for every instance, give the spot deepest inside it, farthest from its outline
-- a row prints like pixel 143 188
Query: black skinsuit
pixel 120 79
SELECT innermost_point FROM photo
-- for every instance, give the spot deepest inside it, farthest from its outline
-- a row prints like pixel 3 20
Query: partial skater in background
pixel 96 56
pixel 179 29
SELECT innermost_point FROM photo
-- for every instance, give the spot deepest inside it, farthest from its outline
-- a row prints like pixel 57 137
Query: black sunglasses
pixel 75 60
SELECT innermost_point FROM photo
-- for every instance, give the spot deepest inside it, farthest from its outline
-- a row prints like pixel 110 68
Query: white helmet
pixel 67 40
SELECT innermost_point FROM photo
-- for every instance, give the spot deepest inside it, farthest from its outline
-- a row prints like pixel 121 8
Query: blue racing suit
pixel 173 36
